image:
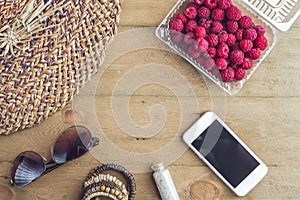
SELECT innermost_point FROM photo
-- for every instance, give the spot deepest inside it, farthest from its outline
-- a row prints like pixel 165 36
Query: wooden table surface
pixel 265 114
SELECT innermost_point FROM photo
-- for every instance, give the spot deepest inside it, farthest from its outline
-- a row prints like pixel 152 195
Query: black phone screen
pixel 225 153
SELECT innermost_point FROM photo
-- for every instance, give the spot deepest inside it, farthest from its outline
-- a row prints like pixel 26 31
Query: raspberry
pixel 250 34
pixel 203 44
pixel 189 38
pixel 199 2
pixel 206 23
pixel 182 18
pixel 206 55
pixel 247 63
pixel 223 50
pixel 232 26
pixel 216 27
pixel 209 63
pixel 217 14
pixel 246 45
pixel 231 40
pixel 200 32
pixel 236 56
pixel 213 40
pixel 260 30
pixel 190 26
pixel 200 60
pixel 215 72
pixel 204 12
pixel 176 25
pixel 246 22
pixel 239 34
pixel 190 12
pixel 176 37
pixel 233 13
pixel 227 74
pixel 212 52
pixel 223 36
pixel 211 4
pixel 239 74
pixel 193 52
pixel 196 45
pixel 221 63
pixel 184 46
pixel 224 4
pixel 261 42
pixel 192 4
pixel 254 54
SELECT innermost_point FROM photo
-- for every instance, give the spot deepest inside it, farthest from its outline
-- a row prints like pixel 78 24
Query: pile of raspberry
pixel 219 38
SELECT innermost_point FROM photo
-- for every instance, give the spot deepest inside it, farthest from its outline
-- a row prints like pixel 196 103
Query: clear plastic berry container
pixel 275 16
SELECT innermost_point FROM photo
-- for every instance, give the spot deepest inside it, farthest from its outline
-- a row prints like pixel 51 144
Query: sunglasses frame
pixel 52 164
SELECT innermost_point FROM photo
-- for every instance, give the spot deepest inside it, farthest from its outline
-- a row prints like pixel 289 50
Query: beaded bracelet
pixel 107 177
pixel 103 188
pixel 131 187
pixel 97 194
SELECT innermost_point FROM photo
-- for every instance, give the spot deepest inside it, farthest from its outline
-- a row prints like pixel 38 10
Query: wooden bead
pixel 117 193
pixel 120 196
pixel 102 188
pixel 112 191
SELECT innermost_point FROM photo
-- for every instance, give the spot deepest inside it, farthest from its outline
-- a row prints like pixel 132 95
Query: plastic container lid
pixel 280 13
pixel 275 15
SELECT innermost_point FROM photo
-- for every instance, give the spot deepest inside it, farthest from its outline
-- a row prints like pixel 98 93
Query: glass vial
pixel 164 182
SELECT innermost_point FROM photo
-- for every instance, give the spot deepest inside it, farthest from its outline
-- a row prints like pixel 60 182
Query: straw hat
pixel 48 50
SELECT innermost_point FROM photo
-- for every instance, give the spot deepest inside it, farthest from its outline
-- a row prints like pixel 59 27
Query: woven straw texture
pixel 48 51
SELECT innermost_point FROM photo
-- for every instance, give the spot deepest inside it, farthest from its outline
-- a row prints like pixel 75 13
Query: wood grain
pixel 265 114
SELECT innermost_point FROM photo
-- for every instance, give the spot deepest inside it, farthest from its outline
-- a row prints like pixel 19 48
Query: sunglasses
pixel 72 143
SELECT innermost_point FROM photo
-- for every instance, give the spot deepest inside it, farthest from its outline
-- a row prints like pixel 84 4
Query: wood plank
pixel 265 115
pixel 272 138
pixel 143 13
pixel 277 76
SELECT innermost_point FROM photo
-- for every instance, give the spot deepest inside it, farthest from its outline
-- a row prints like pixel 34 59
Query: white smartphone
pixel 224 152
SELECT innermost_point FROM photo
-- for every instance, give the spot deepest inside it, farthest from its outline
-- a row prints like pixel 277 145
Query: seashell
pixel 73 116
pixel 27 171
